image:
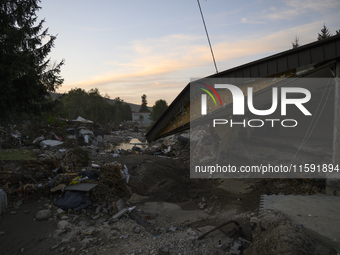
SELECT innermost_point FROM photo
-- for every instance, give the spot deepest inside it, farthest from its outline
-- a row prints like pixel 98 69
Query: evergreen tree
pixel 324 33
pixel 144 107
pixel 295 44
pixel 26 76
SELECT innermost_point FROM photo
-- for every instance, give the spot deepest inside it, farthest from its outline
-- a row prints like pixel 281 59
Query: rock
pixel 235 252
pixel 201 205
pixel 223 247
pixel 135 198
pixel 98 209
pixel 163 251
pixel 115 233
pixel 152 252
pixel 58 232
pixel 162 230
pixel 18 203
pixel 94 217
pixel 62 249
pixel 22 250
pixel 279 185
pixel 60 211
pixel 64 218
pixel 64 224
pixel 253 220
pixel 54 247
pixel 65 240
pixel 215 234
pixel 13 212
pixel 137 230
pixel 85 242
pixel 72 250
pixel 43 214
pixel 191 232
pixel 172 228
pixel 263 225
pixel 91 222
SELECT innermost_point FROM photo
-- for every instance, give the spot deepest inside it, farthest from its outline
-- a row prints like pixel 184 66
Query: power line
pixel 206 31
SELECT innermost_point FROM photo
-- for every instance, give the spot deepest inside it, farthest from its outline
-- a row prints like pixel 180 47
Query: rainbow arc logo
pixel 204 96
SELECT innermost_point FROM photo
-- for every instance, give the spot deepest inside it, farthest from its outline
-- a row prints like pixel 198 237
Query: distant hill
pixel 134 107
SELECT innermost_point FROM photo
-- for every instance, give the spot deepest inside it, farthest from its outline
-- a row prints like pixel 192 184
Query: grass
pixel 17 154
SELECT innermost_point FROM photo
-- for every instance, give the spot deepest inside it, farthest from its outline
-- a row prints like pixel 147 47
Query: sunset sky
pixel 153 47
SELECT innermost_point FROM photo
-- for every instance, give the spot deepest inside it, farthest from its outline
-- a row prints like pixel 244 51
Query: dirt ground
pixel 174 209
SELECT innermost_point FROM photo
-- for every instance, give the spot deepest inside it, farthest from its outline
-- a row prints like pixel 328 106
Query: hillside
pixel 134 107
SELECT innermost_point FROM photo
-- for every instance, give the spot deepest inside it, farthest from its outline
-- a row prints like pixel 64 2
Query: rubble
pixel 73 186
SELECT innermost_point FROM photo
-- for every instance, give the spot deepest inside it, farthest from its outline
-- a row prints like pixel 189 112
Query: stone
pixel 91 222
pixel 137 230
pixel 43 214
pixel 223 247
pixel 254 220
pixel 13 212
pixel 162 230
pixel 60 211
pixel 54 247
pixel 98 209
pixel 64 224
pixel 72 250
pixel 94 217
pixel 172 228
pixel 135 198
pixel 263 225
pixel 163 251
pixel 191 232
pixel 201 205
pixel 64 218
pixel 279 185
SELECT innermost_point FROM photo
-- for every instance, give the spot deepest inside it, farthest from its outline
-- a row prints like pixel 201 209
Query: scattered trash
pixel 51 143
pixel 80 187
pixel 76 200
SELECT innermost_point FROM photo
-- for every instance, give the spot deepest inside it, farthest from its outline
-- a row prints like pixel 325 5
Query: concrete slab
pixel 81 187
pixel 319 213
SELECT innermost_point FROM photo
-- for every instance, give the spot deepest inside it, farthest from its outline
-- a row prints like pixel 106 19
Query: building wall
pixel 146 117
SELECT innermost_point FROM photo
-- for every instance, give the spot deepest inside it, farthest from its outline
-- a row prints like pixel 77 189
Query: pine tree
pixel 324 33
pixel 144 107
pixel 26 75
pixel 295 44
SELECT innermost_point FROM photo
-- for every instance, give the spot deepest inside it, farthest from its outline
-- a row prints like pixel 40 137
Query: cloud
pixel 246 21
pixel 99 29
pixel 295 8
pixel 156 66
